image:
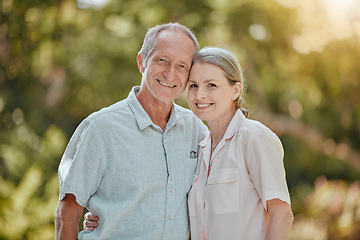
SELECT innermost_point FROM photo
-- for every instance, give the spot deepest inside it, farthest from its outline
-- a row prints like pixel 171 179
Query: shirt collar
pixel 205 141
pixel 142 118
pixel 233 127
pixel 234 124
pixel 174 117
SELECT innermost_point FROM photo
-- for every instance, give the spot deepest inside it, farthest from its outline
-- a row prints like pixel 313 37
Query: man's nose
pixel 170 73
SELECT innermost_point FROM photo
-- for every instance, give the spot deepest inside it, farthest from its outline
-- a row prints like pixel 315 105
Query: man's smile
pixel 165 84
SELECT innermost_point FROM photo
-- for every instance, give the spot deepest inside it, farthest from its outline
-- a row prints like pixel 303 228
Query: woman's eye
pixel 192 85
pixel 212 85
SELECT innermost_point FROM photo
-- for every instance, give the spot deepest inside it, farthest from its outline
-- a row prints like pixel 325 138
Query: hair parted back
pixel 150 40
pixel 229 64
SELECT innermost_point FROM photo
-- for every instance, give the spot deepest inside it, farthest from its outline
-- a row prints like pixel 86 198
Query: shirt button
pixel 169 217
pixel 171 189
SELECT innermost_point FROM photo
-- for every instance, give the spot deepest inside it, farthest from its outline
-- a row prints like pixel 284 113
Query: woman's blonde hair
pixel 229 64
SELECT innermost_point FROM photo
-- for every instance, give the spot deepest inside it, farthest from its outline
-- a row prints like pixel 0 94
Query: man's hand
pixel 67 217
pixel 91 221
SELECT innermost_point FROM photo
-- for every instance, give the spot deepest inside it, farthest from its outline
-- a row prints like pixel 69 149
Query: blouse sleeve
pixel 265 165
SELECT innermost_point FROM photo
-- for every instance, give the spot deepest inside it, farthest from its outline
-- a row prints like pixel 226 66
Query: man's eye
pixel 162 60
pixel 212 85
pixel 193 85
pixel 183 67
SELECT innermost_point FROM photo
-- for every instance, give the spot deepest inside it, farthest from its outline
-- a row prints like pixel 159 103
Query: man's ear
pixel 140 64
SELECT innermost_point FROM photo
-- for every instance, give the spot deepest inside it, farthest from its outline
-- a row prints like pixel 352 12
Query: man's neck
pixel 159 112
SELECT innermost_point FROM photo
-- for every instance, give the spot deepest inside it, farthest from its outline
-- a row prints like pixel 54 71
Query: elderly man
pixel 133 163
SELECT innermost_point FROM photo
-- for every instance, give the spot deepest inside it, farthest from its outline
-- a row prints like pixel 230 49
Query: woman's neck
pixel 219 126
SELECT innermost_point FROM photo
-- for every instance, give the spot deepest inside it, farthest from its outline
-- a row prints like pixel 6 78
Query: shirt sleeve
pixel 265 164
pixel 81 166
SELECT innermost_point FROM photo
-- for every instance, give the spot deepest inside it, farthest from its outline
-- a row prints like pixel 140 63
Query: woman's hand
pixel 91 221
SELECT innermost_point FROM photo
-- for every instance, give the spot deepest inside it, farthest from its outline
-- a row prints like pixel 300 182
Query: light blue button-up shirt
pixel 130 173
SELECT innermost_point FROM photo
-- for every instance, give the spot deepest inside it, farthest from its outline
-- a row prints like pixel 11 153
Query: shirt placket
pixel 170 194
pixel 206 170
pixel 211 157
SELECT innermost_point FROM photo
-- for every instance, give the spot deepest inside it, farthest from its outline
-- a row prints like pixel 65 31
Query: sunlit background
pixel 62 60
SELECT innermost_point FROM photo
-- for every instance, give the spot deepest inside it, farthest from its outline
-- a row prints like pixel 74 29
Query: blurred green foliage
pixel 59 63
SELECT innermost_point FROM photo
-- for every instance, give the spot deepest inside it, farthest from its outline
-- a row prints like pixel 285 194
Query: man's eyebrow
pixel 160 56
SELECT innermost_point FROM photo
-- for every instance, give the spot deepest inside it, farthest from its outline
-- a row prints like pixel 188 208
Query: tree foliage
pixel 59 63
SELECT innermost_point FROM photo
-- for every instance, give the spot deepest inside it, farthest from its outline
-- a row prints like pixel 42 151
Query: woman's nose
pixel 201 94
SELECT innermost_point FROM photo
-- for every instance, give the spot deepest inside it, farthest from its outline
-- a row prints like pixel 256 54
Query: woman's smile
pixel 203 105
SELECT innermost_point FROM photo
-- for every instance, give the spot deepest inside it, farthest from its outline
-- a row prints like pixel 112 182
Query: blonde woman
pixel 239 191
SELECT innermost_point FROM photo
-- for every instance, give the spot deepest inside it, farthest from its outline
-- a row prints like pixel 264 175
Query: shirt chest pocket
pixel 222 191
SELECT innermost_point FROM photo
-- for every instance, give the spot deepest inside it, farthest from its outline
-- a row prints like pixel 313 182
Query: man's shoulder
pixel 187 113
pixel 190 120
pixel 117 110
pixel 186 116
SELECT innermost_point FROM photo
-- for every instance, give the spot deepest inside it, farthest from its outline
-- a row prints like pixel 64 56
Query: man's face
pixel 166 71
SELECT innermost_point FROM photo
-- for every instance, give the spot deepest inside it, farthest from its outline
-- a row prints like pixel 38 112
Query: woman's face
pixel 210 95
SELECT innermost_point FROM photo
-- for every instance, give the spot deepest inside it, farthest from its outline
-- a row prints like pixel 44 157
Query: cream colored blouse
pixel 246 171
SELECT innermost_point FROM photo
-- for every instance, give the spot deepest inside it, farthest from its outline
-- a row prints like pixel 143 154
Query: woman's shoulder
pixel 255 128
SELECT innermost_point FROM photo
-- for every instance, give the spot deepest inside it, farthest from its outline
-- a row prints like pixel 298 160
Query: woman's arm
pixel 280 220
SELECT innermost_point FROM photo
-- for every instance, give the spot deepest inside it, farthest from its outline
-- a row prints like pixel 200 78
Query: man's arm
pixel 67 217
pixel 281 218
